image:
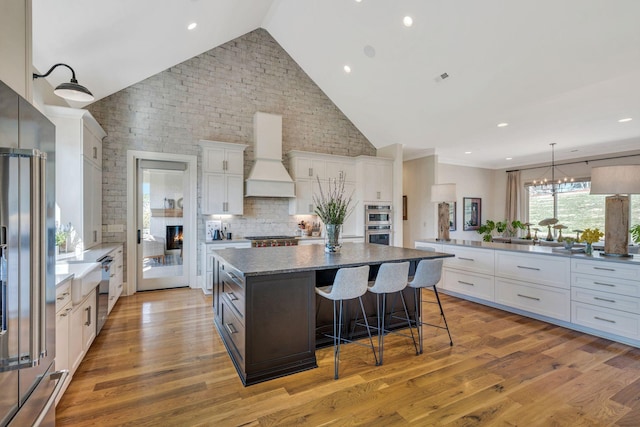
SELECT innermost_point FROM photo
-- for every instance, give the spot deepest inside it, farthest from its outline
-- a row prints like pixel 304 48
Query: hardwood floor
pixel 160 362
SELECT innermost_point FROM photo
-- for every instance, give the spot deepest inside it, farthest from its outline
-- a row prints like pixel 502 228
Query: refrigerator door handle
pixel 61 376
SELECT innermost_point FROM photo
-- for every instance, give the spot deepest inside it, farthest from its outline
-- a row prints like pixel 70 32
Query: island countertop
pixel 289 259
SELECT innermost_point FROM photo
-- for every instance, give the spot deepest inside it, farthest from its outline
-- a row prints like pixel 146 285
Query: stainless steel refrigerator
pixel 28 381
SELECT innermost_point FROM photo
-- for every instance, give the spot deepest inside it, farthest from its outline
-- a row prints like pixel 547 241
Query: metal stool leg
pixel 418 314
pixel 406 313
pixel 366 322
pixel 443 316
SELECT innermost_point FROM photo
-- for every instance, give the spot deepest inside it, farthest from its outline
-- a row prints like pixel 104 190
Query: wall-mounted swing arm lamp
pixel 72 90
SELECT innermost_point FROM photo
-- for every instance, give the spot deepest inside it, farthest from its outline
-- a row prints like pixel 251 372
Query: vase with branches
pixel 333 207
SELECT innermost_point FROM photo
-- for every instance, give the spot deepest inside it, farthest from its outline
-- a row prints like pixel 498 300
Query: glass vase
pixel 332 238
pixel 588 249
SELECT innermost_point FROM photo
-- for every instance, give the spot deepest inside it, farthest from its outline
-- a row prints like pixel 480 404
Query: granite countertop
pixel 289 259
pixel 533 249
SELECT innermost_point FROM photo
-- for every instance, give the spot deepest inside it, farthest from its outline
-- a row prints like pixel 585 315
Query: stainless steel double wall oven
pixel 378 224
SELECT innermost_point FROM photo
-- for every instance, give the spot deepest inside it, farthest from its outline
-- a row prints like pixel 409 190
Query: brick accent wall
pixel 213 96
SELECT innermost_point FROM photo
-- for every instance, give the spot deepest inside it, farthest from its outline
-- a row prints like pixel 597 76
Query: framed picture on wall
pixel 404 208
pixel 472 213
pixel 452 216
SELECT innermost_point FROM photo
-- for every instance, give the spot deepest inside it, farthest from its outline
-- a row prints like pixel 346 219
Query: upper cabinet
pixel 78 173
pixel 222 178
pixel 375 174
pixel 307 168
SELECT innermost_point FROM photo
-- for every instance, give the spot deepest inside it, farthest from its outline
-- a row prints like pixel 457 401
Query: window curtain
pixel 512 206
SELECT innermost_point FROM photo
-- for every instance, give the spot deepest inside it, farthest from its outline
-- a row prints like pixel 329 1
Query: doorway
pixel 161 236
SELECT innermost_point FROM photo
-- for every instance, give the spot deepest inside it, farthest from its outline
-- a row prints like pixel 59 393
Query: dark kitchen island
pixel 265 301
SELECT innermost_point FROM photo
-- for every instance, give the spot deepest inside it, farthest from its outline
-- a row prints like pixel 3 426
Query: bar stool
pixel 391 278
pixel 349 283
pixel 428 274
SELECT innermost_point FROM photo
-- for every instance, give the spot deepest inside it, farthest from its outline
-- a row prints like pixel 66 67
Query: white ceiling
pixel 557 71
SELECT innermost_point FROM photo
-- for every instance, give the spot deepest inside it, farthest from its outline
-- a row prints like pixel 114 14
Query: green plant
pixel 486 229
pixel 61 237
pixel 332 206
pixel 635 233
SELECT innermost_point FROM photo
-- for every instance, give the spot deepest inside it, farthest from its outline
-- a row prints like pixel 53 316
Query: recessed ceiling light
pixel 192 26
pixel 407 21
pixel 358 1
pixel 467 152
pixel 503 125
pixel 508 158
pixel 628 119
pixel 347 69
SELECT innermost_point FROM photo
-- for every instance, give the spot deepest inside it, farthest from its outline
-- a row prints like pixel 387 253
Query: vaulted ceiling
pixel 556 71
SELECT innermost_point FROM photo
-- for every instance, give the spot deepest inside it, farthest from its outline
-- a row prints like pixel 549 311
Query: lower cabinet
pixel 472 284
pixel 606 296
pixel 266 322
pixel 64 307
pixel 590 294
pixel 116 281
pixel 209 264
pixel 82 330
pixel 544 300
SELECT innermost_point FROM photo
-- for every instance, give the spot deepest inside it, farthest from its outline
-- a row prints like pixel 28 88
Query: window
pixel 575 207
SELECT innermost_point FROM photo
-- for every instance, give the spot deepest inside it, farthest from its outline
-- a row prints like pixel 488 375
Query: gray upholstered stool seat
pixel 391 279
pixel 349 283
pixel 428 274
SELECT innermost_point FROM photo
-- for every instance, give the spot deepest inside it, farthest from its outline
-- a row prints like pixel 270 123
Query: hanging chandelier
pixel 553 185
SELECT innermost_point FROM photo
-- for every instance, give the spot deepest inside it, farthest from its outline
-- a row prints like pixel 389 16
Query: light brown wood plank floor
pixel 160 362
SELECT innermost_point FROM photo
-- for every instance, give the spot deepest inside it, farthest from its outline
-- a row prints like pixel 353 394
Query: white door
pixel 162 228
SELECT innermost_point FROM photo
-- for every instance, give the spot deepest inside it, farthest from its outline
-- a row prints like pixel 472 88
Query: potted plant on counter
pixel 333 207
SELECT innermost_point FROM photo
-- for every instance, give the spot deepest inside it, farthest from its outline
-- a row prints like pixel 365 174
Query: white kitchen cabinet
pixel 91 204
pixel 550 301
pixel 63 323
pixel 307 168
pixel 222 178
pixel 222 194
pixel 82 329
pixel 222 157
pixel 78 172
pixel 209 263
pixel 116 281
pixel 605 296
pixel 375 176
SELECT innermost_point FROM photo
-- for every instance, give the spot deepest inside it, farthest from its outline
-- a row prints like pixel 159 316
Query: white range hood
pixel 268 176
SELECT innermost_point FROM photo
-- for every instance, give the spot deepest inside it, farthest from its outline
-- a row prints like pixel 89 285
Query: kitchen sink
pixel 86 276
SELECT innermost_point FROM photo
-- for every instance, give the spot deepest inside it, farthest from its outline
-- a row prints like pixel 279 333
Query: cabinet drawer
pixel 617 270
pixel 63 295
pixel 476 285
pixel 606 320
pixel 234 329
pixel 540 269
pixel 545 300
pixel 605 299
pixel 233 291
pixel 470 259
pixel 611 285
